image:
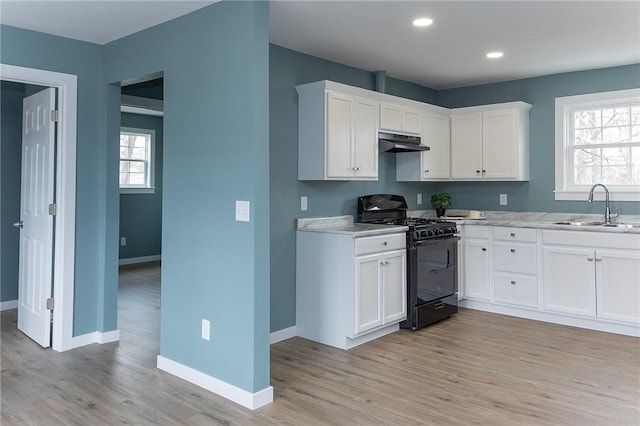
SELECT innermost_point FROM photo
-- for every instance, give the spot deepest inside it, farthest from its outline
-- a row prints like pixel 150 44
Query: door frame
pixel 65 187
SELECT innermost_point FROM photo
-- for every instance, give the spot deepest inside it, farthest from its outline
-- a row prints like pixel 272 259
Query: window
pixel 598 141
pixel 136 160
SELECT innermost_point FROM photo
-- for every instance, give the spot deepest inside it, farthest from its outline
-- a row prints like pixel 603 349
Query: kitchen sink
pixel 606 225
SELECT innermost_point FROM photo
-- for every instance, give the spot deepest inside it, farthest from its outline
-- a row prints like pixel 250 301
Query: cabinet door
pixel 365 149
pixel 569 280
pixel 476 269
pixel 466 146
pixel 411 120
pixel 397 118
pixel 368 288
pixel 436 163
pixel 339 136
pixel 500 144
pixel 618 285
pixel 461 262
pixel 394 279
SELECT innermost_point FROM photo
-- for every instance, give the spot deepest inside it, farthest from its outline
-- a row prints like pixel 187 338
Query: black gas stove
pixel 432 259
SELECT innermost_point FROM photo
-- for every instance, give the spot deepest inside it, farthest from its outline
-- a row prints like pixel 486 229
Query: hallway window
pixel 136 160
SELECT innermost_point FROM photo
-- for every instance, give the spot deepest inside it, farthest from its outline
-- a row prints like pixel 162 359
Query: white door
pixel 618 285
pixel 436 163
pixel 476 270
pixel 466 146
pixel 499 142
pixel 339 149
pixel 36 234
pixel 365 138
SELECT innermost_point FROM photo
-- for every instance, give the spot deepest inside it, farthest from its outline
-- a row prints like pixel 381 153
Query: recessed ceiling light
pixel 495 55
pixel 422 22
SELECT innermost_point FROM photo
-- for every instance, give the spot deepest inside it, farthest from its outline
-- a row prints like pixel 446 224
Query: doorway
pixel 65 187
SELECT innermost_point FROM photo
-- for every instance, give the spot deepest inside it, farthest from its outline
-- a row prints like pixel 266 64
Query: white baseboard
pixel 592 324
pixel 9 304
pixel 142 259
pixel 95 337
pixel 217 386
pixel 284 334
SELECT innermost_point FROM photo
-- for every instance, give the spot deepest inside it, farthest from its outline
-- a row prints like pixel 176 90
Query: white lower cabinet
pixel 594 275
pixel 515 265
pixel 580 278
pixel 349 290
pixel 381 294
pixel 476 263
pixel 618 285
pixel 569 280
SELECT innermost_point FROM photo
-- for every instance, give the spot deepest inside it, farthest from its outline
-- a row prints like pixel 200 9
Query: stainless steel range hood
pixel 396 142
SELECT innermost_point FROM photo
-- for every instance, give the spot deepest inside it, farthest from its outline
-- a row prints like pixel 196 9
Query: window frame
pixel 565 190
pixel 149 187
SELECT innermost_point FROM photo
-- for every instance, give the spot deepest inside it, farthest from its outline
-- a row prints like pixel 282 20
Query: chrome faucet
pixel 607 210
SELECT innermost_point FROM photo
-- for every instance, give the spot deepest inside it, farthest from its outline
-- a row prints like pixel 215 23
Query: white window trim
pixel 563 106
pixel 150 189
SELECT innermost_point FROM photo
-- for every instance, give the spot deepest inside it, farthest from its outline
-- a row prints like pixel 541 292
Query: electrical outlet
pixel 242 211
pixel 303 203
pixel 123 241
pixel 206 329
pixel 503 199
pixel 419 198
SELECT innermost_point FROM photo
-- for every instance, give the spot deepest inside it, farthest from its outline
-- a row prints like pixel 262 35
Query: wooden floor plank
pixel 476 368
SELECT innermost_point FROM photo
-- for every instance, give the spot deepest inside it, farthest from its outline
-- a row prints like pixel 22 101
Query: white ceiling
pixel 538 37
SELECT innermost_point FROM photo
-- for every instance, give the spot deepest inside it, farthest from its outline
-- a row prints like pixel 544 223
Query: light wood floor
pixel 474 369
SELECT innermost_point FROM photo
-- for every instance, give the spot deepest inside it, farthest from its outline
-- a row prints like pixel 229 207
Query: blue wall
pixel 141 214
pixel 216 141
pixel 537 194
pixel 11 95
pixel 289 68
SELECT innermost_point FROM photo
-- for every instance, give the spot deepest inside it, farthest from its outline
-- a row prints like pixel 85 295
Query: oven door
pixel 436 269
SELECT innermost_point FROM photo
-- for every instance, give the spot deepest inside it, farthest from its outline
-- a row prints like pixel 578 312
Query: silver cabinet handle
pixel 384 243
pixel 598 259
pixel 426 171
pixel 19 224
pixel 512 250
pixel 356 168
pixel 484 249
pixel 513 234
pixel 513 283
pixel 590 259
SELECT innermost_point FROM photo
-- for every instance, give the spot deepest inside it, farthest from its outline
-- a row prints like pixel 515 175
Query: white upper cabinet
pixel 490 142
pixel 433 164
pixel 400 118
pixel 337 135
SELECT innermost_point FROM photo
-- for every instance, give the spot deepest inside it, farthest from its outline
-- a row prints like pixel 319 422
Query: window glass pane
pixel 635 164
pixel 615 135
pixel 587 175
pixel 136 167
pixel 615 175
pixel 136 179
pixel 587 157
pixel 635 115
pixel 635 134
pixel 615 117
pixel 588 136
pixel 587 118
pixel 620 156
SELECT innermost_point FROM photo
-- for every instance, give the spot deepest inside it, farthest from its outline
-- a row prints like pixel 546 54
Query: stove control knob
pixel 429 232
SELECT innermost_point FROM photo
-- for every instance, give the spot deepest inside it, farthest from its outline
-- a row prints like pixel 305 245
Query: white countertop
pixel 345 225
pixel 536 220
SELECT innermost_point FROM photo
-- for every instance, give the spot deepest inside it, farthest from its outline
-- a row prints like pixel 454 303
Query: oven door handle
pixel 437 241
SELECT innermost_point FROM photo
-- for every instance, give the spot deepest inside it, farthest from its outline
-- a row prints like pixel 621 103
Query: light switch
pixel 303 203
pixel 206 329
pixel 242 211
pixel 419 198
pixel 503 199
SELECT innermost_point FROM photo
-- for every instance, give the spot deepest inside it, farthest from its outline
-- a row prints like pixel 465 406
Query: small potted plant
pixel 440 202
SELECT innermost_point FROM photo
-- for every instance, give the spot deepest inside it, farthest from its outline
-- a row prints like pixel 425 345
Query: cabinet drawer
pixel 476 231
pixel 516 290
pixel 380 243
pixel 520 258
pixel 514 234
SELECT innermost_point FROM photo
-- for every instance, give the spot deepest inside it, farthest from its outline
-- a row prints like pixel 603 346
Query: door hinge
pixel 53 209
pixel 55 115
pixel 50 303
